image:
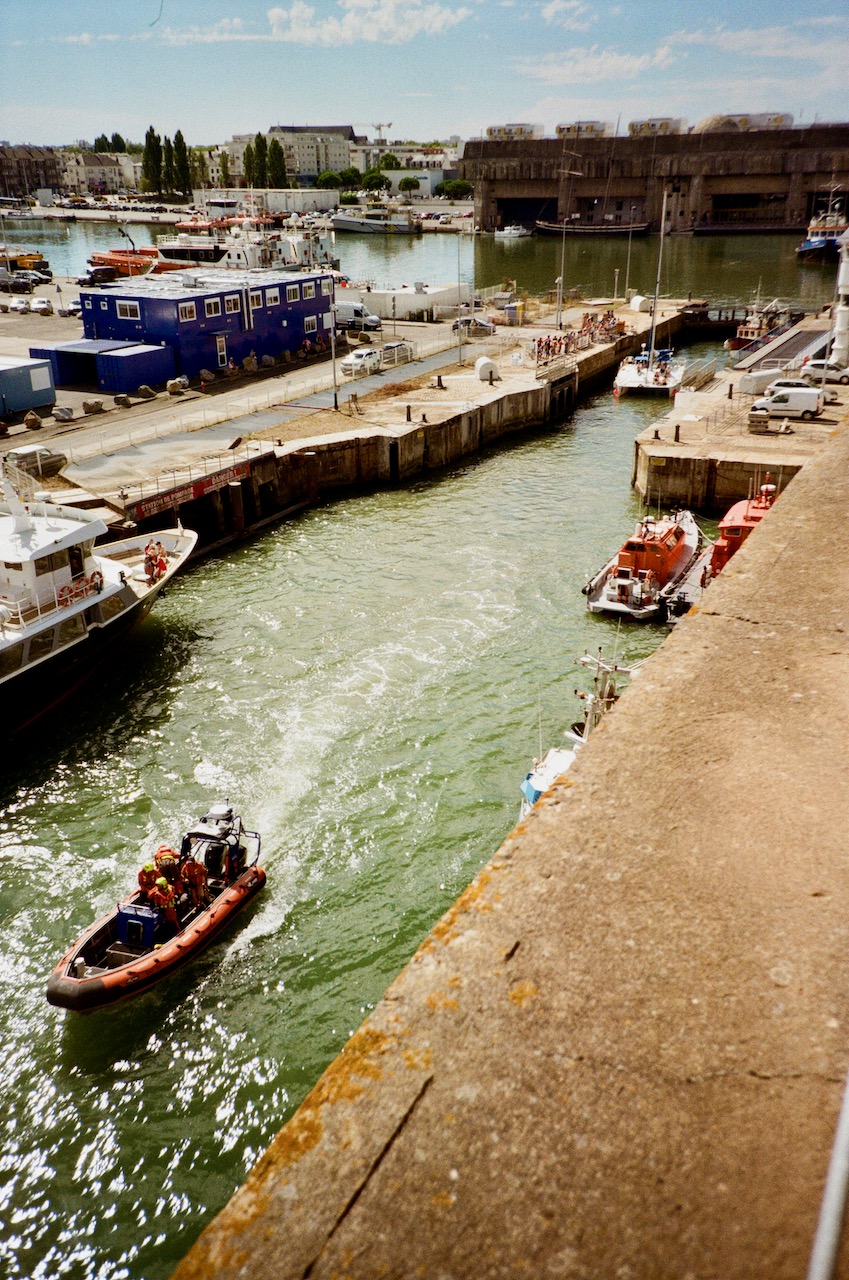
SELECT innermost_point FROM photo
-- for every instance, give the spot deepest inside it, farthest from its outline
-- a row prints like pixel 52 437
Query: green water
pixel 368 684
pixel 721 268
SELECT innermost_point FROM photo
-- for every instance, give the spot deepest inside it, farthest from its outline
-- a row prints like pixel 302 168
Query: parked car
pixel 34 277
pixel 799 403
pixel 98 275
pixel 37 459
pixel 829 394
pixel 825 370
pixel 11 284
pixel 396 353
pixel 474 326
pixel 41 306
pixel 75 307
pixel 363 360
pixel 20 305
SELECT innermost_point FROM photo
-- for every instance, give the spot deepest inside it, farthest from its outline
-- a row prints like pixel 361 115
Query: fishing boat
pixel 64 602
pixel 134 946
pixel 243 247
pixel 822 240
pixel 738 522
pixel 640 581
pixel 762 324
pixel 558 760
pixel 654 371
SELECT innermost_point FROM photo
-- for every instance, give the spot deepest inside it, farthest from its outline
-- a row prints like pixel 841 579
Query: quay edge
pixel 622 1051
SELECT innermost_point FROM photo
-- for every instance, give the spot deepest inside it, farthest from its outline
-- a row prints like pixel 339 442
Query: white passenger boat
pixel 512 233
pixel 558 760
pixel 641 580
pixel 64 603
pixel 243 247
pixel 377 221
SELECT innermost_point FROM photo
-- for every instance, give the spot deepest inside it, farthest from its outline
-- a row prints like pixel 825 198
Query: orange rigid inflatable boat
pixel 135 945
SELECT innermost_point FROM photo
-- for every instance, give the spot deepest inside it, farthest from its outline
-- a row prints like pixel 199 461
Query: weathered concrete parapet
pixel 622 1051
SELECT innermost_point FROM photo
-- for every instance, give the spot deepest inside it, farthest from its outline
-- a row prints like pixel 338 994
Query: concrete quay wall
pixel 622 1051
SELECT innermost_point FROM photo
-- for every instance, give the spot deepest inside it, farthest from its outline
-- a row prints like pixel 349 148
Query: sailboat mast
pixel 657 280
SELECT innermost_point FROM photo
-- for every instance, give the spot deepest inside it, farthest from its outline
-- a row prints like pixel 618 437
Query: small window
pixel 309 289
pixel 104 305
pixel 10 659
pixel 188 311
pixel 111 607
pixel 272 297
pixel 256 297
pixel 291 293
pixel 71 629
pixel 40 644
pixel 12 564
pixel 310 324
pixel 87 303
pixel 212 307
pixel 326 287
pixel 128 311
pixel 232 304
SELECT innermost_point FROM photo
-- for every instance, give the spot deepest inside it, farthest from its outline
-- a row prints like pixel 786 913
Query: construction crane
pixel 378 127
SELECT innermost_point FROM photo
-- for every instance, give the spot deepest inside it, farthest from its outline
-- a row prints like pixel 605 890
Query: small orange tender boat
pixel 737 523
pixel 134 947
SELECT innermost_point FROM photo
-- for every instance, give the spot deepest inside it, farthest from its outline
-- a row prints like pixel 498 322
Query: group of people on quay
pixel 155 561
pixel 168 877
pixel 594 328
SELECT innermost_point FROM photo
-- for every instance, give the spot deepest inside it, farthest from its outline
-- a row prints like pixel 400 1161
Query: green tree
pixel 101 143
pixel 351 177
pixel 152 161
pixel 408 184
pixel 182 172
pixel 454 189
pixel 388 161
pixel 277 177
pixel 374 180
pixel 328 181
pixel 198 168
pixel 249 166
pixel 117 143
pixel 260 161
pixel 169 179
pixel 224 166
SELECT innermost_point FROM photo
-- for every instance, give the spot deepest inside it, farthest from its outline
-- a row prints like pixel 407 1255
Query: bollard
pixel 731 391
pixel 677 433
pixel 656 434
pixel 439 382
pixel 409 414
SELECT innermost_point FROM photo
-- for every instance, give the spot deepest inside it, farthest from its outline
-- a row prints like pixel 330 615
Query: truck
pixel 356 317
pixel 791 402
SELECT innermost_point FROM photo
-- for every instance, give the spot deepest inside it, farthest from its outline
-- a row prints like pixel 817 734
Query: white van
pixel 791 402
pixel 355 315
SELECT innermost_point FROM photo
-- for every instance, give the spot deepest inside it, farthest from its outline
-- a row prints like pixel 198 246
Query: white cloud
pixel 594 65
pixel 568 14
pixel 355 22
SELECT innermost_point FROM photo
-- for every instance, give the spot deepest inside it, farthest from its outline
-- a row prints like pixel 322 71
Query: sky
pixel 420 69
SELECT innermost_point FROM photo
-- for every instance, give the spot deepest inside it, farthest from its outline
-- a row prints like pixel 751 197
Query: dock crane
pixel 379 127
